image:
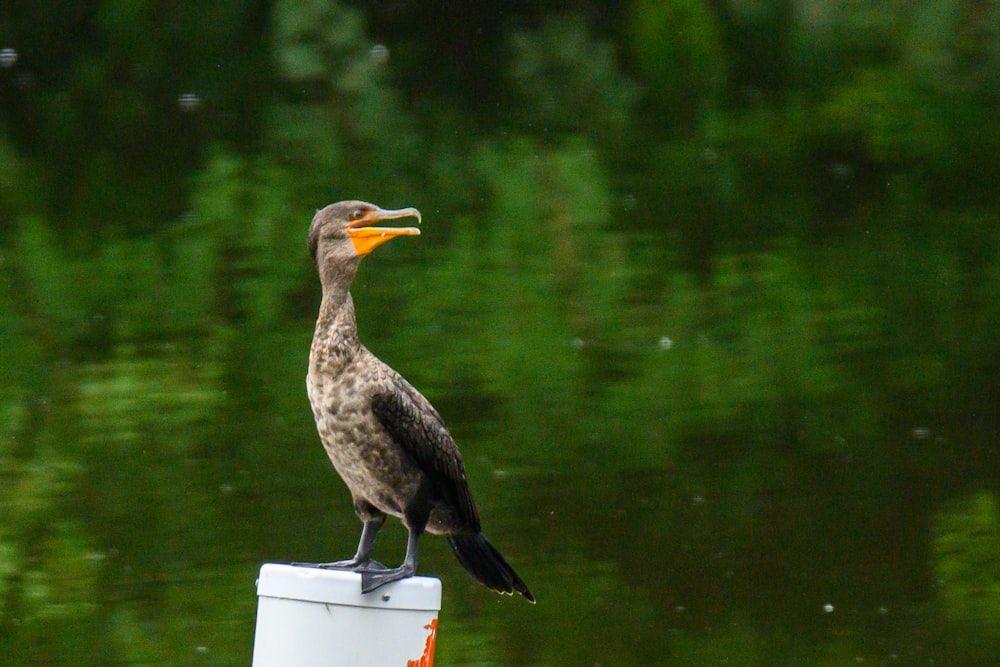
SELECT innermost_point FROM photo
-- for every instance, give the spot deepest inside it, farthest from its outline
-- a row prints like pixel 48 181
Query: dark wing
pixel 414 423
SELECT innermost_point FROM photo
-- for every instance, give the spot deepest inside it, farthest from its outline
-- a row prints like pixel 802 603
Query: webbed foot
pixel 351 565
pixel 372 579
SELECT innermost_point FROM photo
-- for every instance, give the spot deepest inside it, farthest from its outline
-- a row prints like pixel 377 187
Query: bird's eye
pixel 358 214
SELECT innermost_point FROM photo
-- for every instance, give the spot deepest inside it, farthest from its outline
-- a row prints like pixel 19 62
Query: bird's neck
pixel 335 341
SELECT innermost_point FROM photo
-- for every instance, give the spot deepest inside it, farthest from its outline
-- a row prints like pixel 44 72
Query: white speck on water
pixel 379 54
pixel 841 171
pixel 189 102
pixel 8 58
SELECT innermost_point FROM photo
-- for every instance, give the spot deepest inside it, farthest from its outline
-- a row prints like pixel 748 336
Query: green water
pixel 713 324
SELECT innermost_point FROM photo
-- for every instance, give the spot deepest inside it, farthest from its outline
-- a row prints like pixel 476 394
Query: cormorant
pixel 387 442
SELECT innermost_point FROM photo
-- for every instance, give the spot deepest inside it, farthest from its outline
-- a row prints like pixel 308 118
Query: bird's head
pixel 342 233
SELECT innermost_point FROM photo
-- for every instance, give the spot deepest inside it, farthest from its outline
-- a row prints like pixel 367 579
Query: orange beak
pixel 367 237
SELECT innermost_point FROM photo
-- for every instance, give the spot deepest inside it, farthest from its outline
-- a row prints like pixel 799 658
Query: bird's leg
pixel 362 560
pixel 363 557
pixel 415 519
pixel 372 579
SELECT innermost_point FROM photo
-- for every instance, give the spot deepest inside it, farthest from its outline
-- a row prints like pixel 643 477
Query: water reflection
pixel 670 514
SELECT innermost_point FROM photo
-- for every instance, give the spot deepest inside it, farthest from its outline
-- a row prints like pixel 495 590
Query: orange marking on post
pixel 427 659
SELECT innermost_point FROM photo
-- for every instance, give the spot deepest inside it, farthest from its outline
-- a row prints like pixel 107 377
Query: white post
pixel 308 617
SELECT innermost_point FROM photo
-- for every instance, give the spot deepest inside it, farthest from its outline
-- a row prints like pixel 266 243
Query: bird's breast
pixel 374 467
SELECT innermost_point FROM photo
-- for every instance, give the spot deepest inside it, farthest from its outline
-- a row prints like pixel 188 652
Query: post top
pixel 310 584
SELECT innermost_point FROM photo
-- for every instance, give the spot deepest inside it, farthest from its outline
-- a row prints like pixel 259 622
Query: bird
pixel 385 440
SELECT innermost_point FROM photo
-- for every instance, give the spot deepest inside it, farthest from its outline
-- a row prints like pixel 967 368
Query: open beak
pixel 366 237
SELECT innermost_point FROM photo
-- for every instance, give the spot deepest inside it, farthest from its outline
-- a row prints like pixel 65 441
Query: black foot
pixel 372 579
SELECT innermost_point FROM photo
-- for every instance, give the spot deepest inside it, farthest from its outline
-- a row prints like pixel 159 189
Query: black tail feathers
pixel 485 563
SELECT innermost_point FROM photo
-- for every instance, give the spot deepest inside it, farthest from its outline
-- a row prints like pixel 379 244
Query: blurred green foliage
pixel 967 546
pixel 678 49
pixel 708 292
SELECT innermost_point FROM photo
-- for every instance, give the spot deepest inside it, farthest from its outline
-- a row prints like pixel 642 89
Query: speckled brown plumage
pixel 387 442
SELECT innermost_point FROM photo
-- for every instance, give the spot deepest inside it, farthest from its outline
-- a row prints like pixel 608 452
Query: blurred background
pixel 708 292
